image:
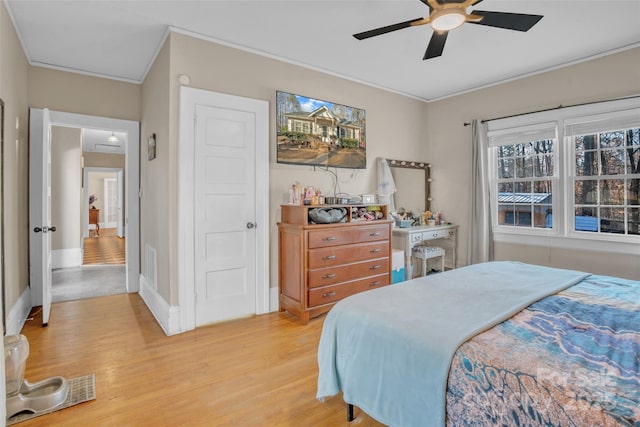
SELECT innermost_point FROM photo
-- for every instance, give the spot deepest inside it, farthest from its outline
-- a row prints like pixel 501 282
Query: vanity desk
pixel 432 235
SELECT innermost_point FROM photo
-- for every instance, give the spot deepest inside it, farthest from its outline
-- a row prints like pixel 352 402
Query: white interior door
pixel 110 192
pixel 225 250
pixel 40 210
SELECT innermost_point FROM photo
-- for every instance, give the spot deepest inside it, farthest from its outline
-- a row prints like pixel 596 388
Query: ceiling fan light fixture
pixel 113 138
pixel 446 20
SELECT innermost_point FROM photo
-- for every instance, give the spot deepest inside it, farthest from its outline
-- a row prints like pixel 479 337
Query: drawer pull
pixel 328 239
pixel 377 233
pixel 435 234
pixel 329 294
pixel 373 251
pixel 375 267
pixel 377 282
pixel 329 276
pixel 329 257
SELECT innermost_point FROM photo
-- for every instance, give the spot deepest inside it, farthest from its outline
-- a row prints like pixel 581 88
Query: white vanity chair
pixel 425 253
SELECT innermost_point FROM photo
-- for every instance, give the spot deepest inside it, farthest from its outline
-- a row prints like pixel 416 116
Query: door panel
pixel 40 210
pixel 225 257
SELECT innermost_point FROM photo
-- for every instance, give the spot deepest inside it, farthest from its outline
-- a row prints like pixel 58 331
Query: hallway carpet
pixel 87 282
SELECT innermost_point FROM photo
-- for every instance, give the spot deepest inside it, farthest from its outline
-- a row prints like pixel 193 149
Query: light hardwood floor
pixel 107 248
pixel 260 371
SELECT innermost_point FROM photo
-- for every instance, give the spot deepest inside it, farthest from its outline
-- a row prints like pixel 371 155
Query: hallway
pixel 103 271
pixel 107 248
pixel 88 281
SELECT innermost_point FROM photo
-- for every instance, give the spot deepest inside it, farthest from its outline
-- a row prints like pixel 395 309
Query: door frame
pixel 189 98
pixel 85 204
pixel 132 189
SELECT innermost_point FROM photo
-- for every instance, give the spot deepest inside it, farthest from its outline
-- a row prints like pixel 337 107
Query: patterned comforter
pixel 570 359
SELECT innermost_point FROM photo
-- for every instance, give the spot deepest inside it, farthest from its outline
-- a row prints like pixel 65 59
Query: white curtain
pixel 480 247
pixel 386 185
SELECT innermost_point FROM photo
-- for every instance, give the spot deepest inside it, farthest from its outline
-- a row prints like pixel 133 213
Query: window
pixel 524 173
pixel 606 182
pixel 302 127
pixel 525 185
pixel 569 173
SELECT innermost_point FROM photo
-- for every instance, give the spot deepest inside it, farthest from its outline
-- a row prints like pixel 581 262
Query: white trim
pixel 167 316
pixel 19 313
pixel 189 99
pixel 274 299
pixel 65 258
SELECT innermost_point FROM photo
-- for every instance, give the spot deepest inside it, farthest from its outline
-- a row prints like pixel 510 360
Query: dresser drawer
pixel 437 234
pixel 337 236
pixel 334 293
pixel 344 273
pixel 336 255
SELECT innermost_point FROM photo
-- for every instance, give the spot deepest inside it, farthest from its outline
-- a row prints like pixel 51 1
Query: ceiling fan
pixel 447 16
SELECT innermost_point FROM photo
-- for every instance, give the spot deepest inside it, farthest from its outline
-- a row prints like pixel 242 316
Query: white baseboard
pixel 274 301
pixel 65 258
pixel 168 316
pixel 19 313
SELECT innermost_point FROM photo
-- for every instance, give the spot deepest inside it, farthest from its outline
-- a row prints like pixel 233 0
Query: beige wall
pixel 13 91
pixel 66 187
pixel 77 93
pixel 96 187
pixel 450 154
pixel 156 177
pixel 395 127
pixel 103 160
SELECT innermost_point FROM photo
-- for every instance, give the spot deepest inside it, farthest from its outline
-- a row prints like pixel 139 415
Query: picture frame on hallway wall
pixel 151 147
pixel 313 132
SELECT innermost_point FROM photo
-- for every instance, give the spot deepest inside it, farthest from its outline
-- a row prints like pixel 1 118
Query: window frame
pixel 563 233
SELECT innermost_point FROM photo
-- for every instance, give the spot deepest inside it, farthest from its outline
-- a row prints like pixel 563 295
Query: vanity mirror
pixel 412 180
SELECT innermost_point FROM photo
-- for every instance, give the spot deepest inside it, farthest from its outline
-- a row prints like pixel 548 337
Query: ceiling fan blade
pixel 509 21
pixel 387 29
pixel 436 45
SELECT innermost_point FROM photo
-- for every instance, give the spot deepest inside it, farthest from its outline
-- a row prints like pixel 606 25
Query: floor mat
pixel 81 389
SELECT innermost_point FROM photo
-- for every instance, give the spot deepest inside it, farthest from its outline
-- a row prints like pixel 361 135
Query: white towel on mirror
pixel 386 186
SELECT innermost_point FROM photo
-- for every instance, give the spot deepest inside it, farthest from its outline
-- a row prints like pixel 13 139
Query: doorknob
pixel 250 225
pixel 52 229
pixel 37 229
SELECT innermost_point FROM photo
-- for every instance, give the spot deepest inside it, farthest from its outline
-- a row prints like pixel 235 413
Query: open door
pixel 120 184
pixel 40 210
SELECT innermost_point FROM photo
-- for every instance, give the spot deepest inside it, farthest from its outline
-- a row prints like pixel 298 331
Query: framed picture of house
pixel 319 133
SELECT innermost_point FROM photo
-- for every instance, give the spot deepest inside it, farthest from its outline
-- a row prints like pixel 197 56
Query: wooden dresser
pixel 320 264
pixel 94 218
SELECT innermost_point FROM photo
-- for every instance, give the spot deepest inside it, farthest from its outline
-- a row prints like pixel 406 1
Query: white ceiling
pixel 119 39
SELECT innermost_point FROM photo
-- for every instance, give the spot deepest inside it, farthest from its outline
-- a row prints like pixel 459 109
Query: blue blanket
pixel 389 350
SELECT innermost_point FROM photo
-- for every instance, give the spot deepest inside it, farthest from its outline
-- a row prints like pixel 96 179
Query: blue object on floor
pixel 397 276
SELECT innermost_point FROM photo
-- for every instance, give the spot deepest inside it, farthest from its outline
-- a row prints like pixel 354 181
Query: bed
pixel 498 343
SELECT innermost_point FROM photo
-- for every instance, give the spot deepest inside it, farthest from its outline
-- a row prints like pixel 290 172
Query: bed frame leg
pixel 349 412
